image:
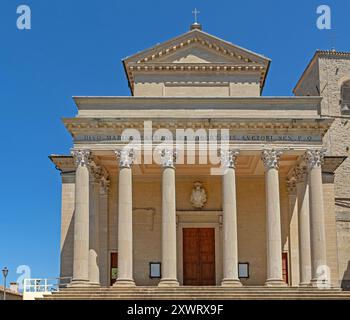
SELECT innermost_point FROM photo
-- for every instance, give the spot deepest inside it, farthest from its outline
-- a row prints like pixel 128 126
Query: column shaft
pixel 94 270
pixel 273 219
pixel 169 263
pixel 103 221
pixel 81 219
pixel 293 238
pixel 125 246
pixel 304 230
pixel 319 269
pixel 229 207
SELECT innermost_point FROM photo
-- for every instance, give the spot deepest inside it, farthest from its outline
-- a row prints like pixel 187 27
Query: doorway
pixel 199 256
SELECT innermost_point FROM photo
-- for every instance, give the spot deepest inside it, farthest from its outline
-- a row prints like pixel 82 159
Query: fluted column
pixel 303 226
pixel 94 270
pixel 319 267
pixel 81 219
pixel 273 218
pixel 125 246
pixel 229 207
pixel 169 270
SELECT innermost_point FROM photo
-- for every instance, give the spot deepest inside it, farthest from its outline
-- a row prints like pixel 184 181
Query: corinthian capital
pixel 96 171
pixel 229 158
pixel 81 157
pixel 126 157
pixel 168 157
pixel 271 158
pixel 291 185
pixel 104 183
pixel 314 158
pixel 300 173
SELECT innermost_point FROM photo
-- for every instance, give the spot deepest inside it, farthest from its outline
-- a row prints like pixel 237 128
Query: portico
pixel 196 177
pixel 273 166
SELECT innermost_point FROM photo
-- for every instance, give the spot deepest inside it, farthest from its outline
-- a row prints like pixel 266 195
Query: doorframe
pixel 109 265
pixel 218 264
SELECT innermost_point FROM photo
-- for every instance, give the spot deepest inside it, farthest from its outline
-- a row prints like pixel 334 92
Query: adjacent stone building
pixel 328 76
pixel 254 191
pixel 11 293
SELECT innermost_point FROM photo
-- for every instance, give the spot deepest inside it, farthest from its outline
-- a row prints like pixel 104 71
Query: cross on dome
pixel 196 25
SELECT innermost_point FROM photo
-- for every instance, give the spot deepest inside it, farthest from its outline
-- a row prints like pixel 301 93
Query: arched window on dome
pixel 345 97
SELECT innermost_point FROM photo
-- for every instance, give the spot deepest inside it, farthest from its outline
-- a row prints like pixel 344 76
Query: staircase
pixel 197 293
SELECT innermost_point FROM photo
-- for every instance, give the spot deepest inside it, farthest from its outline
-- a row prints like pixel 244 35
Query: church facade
pixel 197 179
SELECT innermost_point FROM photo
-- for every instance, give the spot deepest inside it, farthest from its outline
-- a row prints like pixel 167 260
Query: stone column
pixel 94 270
pixel 125 247
pixel 273 218
pixel 169 270
pixel 303 226
pixel 319 268
pixel 81 219
pixel 292 230
pixel 103 256
pixel 229 207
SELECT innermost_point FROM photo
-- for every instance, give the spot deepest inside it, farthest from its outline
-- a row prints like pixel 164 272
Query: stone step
pixel 195 293
pixel 196 289
pixel 201 294
pixel 173 298
pixel 170 298
pixel 200 290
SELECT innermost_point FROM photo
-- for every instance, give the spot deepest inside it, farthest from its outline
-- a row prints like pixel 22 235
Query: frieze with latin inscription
pixel 235 137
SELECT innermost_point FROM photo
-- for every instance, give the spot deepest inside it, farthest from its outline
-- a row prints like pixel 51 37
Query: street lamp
pixel 5 272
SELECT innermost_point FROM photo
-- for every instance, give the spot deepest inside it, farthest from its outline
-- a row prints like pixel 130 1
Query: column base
pixel 78 283
pixel 305 284
pixel 231 283
pixel 275 283
pixel 319 284
pixel 168 283
pixel 124 283
pixel 94 284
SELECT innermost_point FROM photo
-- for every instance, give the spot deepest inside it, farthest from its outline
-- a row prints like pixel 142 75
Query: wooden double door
pixel 199 256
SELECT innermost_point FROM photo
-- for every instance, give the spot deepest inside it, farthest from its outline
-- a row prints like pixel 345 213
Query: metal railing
pixel 45 285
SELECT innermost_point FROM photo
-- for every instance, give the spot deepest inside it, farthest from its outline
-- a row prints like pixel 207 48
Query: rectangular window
pixel 154 270
pixel 243 270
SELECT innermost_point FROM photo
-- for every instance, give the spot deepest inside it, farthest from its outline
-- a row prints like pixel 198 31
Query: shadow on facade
pixel 345 283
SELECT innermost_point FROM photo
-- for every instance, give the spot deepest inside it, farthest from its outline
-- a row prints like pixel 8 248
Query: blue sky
pixel 75 48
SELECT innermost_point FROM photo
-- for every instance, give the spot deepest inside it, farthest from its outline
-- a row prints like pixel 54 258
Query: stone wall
pixel 251 225
pixel 251 221
pixel 343 233
pixel 67 225
pixel 327 73
pixel 205 85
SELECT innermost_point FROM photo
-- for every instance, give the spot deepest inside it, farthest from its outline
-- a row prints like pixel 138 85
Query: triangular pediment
pixel 196 53
pixel 196 49
pixel 203 45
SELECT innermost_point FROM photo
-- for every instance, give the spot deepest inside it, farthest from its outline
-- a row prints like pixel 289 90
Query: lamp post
pixel 5 272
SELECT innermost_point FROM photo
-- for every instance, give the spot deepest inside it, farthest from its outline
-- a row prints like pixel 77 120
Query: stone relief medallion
pixel 198 196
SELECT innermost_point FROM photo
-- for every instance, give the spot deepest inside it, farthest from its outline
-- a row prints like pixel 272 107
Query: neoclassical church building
pixel 196 179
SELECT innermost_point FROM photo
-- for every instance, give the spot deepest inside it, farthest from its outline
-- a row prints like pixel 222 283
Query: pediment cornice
pixel 230 57
pixel 198 38
pixel 195 67
pixel 78 126
pixel 213 46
